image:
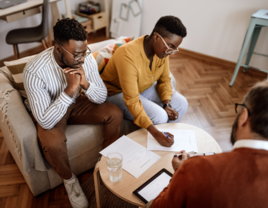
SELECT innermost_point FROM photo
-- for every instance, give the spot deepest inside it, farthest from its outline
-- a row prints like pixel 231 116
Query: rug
pixel 107 198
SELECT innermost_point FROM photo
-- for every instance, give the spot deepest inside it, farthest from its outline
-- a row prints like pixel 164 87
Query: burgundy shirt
pixel 235 179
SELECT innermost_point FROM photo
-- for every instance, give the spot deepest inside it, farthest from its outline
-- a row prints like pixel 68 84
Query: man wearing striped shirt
pixel 53 81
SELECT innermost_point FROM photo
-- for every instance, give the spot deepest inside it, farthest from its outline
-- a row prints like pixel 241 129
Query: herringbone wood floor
pixel 211 107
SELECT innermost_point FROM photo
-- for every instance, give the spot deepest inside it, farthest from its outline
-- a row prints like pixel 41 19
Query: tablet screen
pixel 154 186
pixel 153 189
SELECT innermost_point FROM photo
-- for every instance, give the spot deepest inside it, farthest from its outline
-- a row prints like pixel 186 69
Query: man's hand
pixel 179 158
pixel 80 71
pixel 73 81
pixel 172 114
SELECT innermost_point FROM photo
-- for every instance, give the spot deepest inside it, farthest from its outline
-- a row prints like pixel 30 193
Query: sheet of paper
pixel 183 140
pixel 153 189
pixel 136 158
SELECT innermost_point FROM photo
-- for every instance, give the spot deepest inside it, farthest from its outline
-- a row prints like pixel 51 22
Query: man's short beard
pixel 234 129
pixel 74 66
pixel 62 61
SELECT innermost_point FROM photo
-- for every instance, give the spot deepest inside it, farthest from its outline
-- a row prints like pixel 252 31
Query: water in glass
pixel 114 165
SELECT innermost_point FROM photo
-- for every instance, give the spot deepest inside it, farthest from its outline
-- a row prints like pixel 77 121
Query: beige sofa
pixel 84 142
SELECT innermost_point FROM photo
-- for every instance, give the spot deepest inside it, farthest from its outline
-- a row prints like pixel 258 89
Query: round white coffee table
pixel 128 183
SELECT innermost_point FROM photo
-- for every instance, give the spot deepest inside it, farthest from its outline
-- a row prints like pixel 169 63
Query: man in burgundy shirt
pixel 235 179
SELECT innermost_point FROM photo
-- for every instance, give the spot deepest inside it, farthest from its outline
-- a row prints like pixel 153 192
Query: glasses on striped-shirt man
pixel 79 56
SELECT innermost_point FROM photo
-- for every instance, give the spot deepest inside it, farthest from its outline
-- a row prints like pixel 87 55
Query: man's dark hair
pixel 67 29
pixel 168 25
pixel 257 102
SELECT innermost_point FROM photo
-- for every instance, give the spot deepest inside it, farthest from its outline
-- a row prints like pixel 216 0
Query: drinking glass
pixel 114 164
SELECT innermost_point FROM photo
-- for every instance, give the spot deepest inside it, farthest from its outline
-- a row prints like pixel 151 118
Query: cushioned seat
pixel 25 35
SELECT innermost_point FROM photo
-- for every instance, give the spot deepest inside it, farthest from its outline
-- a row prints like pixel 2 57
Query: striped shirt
pixel 45 82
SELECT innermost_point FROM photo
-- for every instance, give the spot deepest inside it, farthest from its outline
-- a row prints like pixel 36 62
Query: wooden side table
pixel 129 183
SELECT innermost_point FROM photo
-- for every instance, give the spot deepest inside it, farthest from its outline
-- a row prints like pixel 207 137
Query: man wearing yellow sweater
pixel 138 81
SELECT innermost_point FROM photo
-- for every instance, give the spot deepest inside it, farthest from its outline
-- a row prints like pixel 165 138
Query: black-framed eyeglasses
pixel 243 105
pixel 79 56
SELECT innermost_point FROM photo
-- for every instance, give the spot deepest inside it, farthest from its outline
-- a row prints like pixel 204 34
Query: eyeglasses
pixel 169 50
pixel 243 105
pixel 79 56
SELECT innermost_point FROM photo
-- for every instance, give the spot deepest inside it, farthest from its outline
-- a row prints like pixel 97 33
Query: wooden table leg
pixel 96 175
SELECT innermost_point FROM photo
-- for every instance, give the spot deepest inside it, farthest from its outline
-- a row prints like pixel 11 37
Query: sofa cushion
pixel 102 56
pixel 16 68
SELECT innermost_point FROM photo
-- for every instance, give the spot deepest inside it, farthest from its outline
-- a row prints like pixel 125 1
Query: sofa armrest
pixel 18 128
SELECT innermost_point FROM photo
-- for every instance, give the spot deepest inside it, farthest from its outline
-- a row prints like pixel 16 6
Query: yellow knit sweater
pixel 128 71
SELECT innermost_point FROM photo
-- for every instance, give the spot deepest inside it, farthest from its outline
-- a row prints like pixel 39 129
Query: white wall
pixel 215 27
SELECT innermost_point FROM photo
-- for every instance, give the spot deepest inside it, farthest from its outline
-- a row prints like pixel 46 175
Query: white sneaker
pixel 75 193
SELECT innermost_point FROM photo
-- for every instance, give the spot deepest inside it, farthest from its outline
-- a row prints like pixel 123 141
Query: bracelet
pixel 167 105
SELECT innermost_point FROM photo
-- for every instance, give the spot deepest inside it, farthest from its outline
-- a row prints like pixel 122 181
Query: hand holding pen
pixel 169 137
pixel 164 138
pixel 179 158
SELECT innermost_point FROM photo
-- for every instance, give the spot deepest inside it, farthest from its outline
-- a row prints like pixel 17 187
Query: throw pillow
pixel 16 68
pixel 102 56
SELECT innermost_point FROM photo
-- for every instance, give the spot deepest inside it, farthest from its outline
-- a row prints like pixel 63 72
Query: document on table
pixel 183 140
pixel 136 158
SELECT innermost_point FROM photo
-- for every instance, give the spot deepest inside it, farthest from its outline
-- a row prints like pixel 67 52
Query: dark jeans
pixel 53 141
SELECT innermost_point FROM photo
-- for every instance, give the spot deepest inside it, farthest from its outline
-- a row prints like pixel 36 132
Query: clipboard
pixel 152 182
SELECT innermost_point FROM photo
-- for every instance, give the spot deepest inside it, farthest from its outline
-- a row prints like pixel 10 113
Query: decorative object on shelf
pixel 89 8
pixel 95 21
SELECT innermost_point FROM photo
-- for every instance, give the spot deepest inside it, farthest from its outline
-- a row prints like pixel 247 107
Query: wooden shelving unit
pixel 96 21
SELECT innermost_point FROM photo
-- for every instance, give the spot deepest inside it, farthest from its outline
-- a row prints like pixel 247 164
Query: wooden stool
pixel 257 21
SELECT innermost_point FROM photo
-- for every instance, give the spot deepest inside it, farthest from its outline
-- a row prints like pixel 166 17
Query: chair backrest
pixel 45 11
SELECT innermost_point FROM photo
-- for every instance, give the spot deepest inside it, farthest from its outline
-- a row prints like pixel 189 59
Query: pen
pixel 167 135
pixel 192 152
pixel 202 154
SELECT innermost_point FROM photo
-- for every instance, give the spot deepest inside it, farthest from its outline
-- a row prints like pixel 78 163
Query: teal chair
pixel 257 21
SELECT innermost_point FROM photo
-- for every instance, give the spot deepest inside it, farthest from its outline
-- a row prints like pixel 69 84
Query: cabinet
pixel 97 21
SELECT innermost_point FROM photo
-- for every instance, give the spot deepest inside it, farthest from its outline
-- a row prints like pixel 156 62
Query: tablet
pixel 153 187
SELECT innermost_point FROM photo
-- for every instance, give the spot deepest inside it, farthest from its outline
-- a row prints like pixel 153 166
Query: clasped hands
pixel 76 77
pixel 172 114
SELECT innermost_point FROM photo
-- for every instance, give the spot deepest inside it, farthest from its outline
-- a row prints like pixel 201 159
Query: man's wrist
pixel 70 91
pixel 85 86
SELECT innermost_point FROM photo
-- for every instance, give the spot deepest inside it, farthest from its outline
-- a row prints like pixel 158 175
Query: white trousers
pixel 153 106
